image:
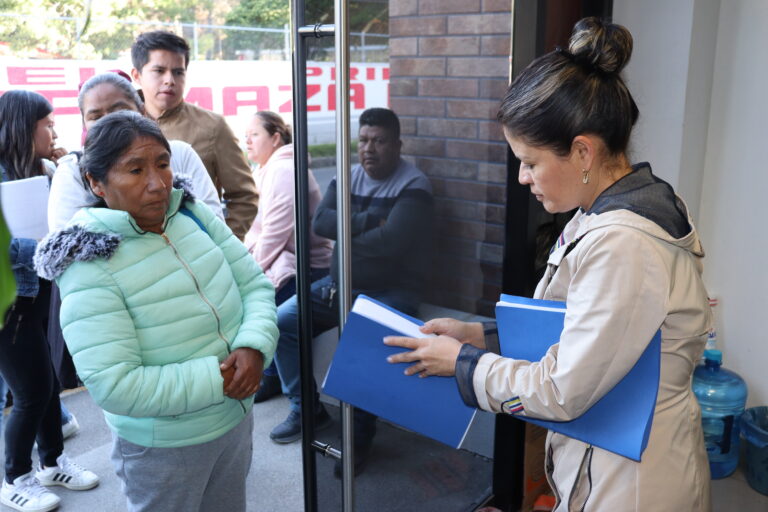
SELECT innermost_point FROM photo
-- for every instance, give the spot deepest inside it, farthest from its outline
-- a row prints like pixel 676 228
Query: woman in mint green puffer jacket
pixel 163 319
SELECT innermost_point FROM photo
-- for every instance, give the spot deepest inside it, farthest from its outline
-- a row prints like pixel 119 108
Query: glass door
pixel 442 69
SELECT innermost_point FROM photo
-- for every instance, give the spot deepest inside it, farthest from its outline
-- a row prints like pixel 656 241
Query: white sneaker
pixel 67 473
pixel 70 428
pixel 26 494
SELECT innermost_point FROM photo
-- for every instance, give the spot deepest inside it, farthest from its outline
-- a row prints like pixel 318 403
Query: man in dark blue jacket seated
pixel 391 231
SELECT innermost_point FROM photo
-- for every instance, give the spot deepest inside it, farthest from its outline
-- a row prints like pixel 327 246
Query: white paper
pixel 25 206
pixel 504 304
pixel 386 317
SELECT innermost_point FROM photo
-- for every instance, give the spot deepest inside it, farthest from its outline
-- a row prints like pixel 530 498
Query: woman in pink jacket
pixel 270 239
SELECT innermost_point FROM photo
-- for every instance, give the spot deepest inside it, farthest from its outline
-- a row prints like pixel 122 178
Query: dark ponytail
pixel 19 113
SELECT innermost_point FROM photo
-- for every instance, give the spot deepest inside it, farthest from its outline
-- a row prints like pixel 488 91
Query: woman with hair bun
pixel 627 265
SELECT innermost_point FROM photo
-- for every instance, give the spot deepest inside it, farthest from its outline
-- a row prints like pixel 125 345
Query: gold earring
pixel 585 176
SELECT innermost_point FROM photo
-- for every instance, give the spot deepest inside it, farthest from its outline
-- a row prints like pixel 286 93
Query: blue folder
pixel 620 422
pixel 360 375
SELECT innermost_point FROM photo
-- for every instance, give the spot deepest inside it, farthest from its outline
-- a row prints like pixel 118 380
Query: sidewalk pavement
pixel 406 472
pixel 274 481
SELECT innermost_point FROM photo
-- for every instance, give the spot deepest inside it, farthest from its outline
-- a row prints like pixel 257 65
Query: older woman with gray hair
pixel 100 95
pixel 169 321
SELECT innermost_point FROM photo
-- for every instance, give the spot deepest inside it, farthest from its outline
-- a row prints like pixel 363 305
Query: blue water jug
pixel 722 395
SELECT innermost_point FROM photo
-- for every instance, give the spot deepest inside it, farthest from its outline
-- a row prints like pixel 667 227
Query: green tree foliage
pixel 105 29
pixel 87 29
pixel 364 16
pixel 7 281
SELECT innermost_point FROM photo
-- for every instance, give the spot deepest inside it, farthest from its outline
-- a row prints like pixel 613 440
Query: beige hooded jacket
pixel 625 277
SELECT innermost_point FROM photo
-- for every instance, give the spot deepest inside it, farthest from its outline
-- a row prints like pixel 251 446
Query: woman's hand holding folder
pixel 436 355
pixel 465 332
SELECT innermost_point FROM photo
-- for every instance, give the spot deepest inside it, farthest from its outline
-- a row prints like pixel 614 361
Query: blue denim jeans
pixel 325 316
pixel 285 292
pixel 65 414
pixel 25 364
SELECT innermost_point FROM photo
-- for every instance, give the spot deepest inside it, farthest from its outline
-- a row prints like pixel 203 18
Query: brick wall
pixel 449 63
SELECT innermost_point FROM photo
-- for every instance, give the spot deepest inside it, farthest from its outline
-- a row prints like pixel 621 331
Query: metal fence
pixel 66 37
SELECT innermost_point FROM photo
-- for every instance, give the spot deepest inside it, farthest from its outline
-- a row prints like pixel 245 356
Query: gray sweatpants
pixel 208 477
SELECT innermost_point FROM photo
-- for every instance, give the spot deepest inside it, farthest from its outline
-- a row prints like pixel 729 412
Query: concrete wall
pixel 699 72
pixel 733 214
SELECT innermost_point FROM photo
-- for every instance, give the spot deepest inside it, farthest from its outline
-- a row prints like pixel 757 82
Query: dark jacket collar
pixel 648 196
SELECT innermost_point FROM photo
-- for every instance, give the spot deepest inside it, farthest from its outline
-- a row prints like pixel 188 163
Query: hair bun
pixel 604 46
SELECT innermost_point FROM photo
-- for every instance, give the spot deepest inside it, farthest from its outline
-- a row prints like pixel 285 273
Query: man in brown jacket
pixel 160 61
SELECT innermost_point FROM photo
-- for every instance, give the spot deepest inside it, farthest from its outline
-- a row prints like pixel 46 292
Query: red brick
pixel 491 5
pixel 455 285
pixel 448 269
pixel 490 130
pixel 472 109
pixel 486 307
pixel 495 214
pixel 455 208
pixel 444 264
pixel 443 168
pixel 469 190
pixel 478 66
pixel 469 288
pixel 454 128
pixel 478 270
pixel 480 24
pixel 403 46
pixel 418 106
pixel 483 151
pixel 448 6
pixel 443 294
pixel 491 291
pixel 407 125
pixel 399 86
pixel 421 66
pixel 422 146
pixel 491 252
pixel 470 210
pixel 459 45
pixel 494 173
pixel 493 88
pixel 453 245
pixel 495 45
pixel 493 273
pixel 471 268
pixel 441 298
pixel 417 26
pixel 403 7
pixel 449 87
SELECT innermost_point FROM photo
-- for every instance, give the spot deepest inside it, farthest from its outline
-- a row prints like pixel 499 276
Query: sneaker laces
pixel 68 466
pixel 31 486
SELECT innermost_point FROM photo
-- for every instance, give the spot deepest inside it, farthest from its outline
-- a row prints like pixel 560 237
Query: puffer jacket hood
pixel 644 202
pixel 96 233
